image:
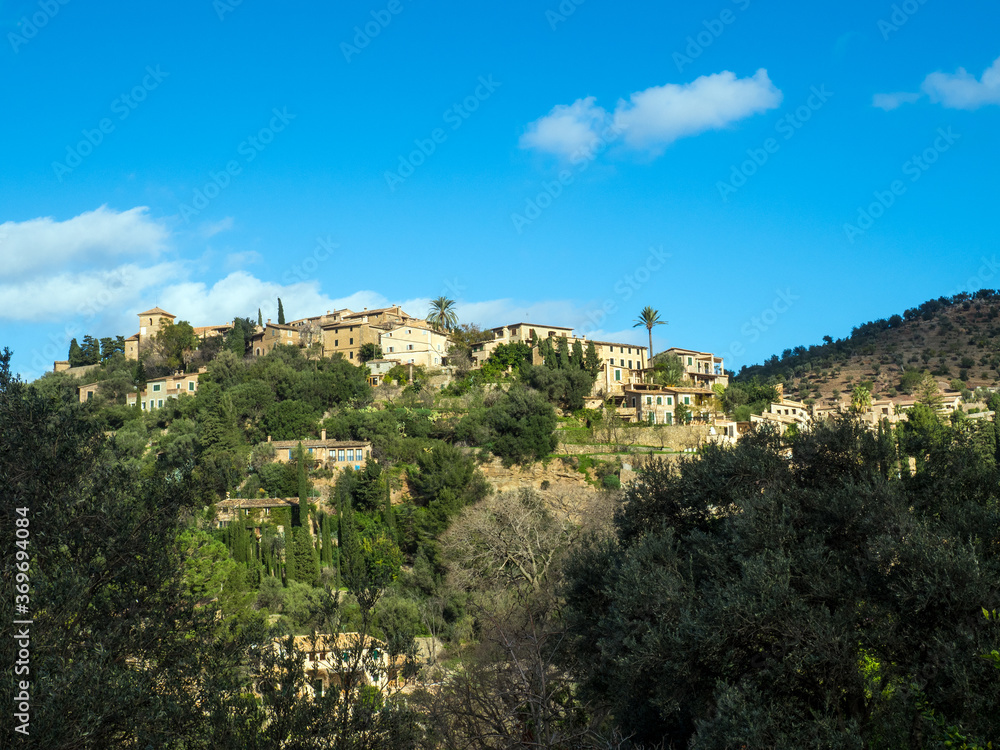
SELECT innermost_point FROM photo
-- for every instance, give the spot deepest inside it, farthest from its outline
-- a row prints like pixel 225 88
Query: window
pixel 390 350
pixel 350 355
pixel 289 454
pixel 336 342
pixel 630 364
pixel 340 454
pixel 191 385
pixel 618 374
pixel 659 400
pixel 690 361
pixel 159 403
pixel 687 400
pixel 310 451
pixel 633 401
pixel 156 387
pixel 670 400
pixel 670 418
pixel 652 417
pixel 621 362
pixel 350 454
pixel 649 399
pixel 90 395
pixel 352 342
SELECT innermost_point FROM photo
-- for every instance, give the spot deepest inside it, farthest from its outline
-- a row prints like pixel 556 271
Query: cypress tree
pixel 577 355
pixel 592 361
pixel 390 516
pixel 563 353
pixel 281 313
pixel 260 318
pixel 75 354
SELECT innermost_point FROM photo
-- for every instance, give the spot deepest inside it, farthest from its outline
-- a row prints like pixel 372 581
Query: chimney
pixel 322 435
pixel 269 321
pixel 269 438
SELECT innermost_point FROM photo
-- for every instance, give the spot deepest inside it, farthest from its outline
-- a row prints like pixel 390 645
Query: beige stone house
pixel 346 332
pixel 150 323
pixel 656 404
pixel 701 368
pixel 272 335
pixel 230 509
pixel 418 344
pixel 621 363
pixel 332 659
pixel 330 454
pixel 159 390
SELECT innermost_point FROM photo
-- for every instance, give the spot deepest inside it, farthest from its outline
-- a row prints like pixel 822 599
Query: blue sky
pixel 761 175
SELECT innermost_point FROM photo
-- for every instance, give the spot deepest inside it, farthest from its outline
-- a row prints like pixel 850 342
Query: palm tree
pixel 442 313
pixel 649 318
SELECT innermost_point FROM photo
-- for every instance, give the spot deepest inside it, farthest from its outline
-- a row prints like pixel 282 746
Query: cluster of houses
pixel 625 378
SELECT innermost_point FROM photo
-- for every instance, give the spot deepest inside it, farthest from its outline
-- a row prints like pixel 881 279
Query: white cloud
pixel 658 116
pixel 960 90
pixel 39 245
pixel 654 118
pixel 567 128
pixel 90 295
pixel 889 102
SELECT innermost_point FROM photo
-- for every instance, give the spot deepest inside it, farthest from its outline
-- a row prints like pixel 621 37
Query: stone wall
pixel 665 437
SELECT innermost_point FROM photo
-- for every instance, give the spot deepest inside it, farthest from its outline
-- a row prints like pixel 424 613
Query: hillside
pixel 953 338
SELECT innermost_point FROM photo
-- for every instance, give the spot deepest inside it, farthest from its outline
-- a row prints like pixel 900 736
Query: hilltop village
pixel 677 386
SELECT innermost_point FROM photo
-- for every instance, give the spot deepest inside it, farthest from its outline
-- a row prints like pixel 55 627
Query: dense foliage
pixel 833 600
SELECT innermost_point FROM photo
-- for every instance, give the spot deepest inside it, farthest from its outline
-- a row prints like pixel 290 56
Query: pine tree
pixel 91 350
pixel 281 313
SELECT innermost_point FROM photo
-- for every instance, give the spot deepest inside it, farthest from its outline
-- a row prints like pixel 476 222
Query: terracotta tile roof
pixel 158 311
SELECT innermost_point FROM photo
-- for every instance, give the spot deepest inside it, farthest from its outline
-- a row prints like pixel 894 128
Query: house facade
pixel 415 344
pixel 272 335
pixel 346 332
pixel 703 369
pixel 160 390
pixel 330 454
pixel 657 404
